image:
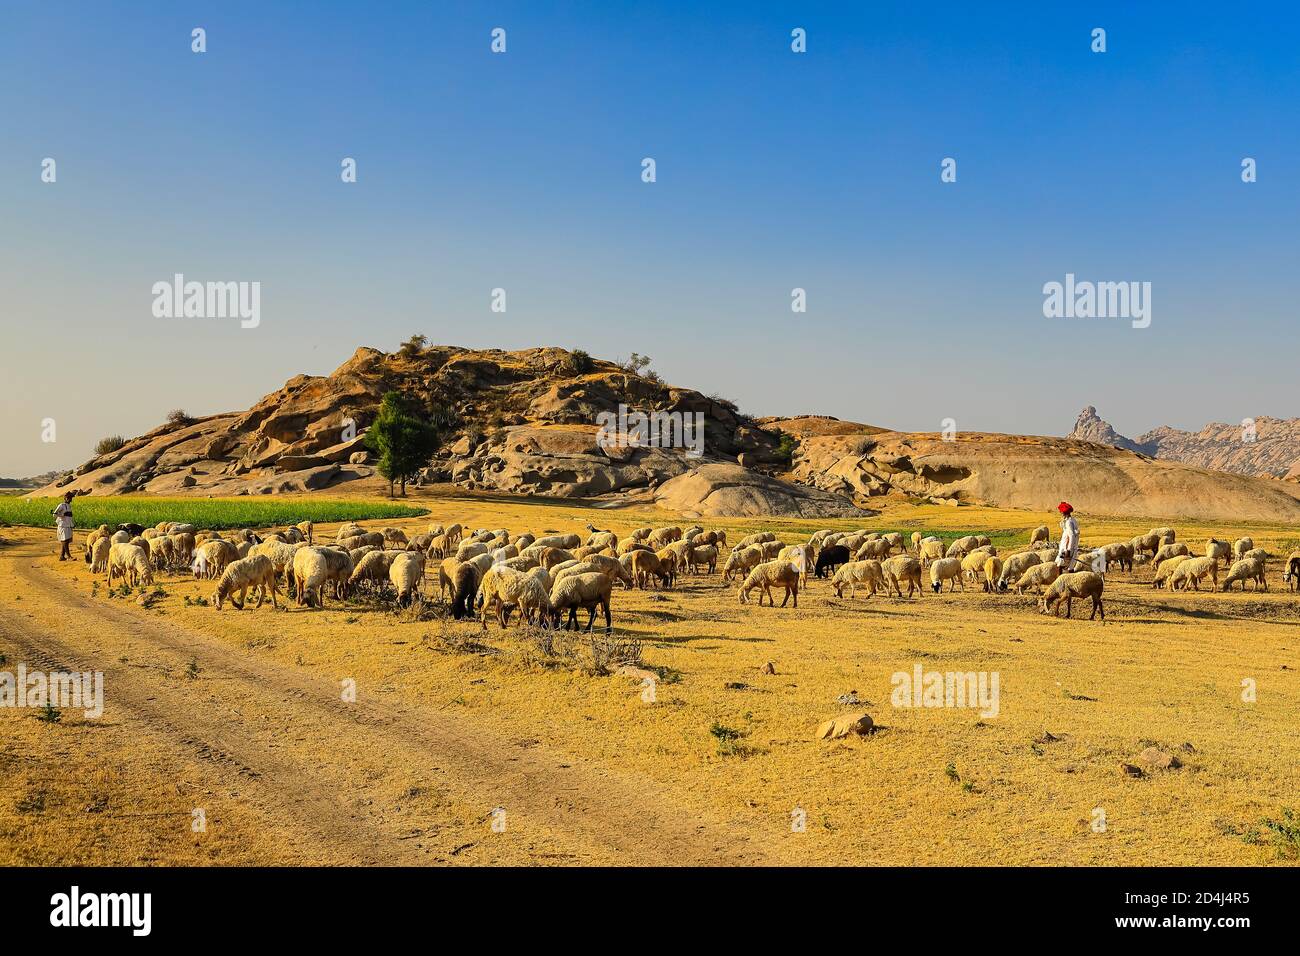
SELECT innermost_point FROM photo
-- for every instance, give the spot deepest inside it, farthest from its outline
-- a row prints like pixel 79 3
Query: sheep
pixel 1168 551
pixel 394 538
pixel 99 555
pixel 1016 565
pixel 372 567
pixel 706 556
pixel 644 564
pixel 590 591
pixel 133 529
pixel 316 567
pixel 1040 534
pixel 828 559
pixel 742 561
pixel 895 540
pixel 1166 570
pixel 878 549
pixel 307 530
pixel 1080 584
pixel 962 546
pixel 1146 542
pixel 992 572
pixel 504 589
pixel 182 546
pixel 771 549
pixel 640 534
pixel 903 568
pixel 349 529
pixel 917 538
pixel 162 553
pixel 605 565
pixel 931 549
pixel 255 572
pixel 1292 574
pixel 1241 546
pixel 1119 553
pixel 463 581
pixel 866 573
pixel 565 541
pixel 1214 548
pixel 1193 571
pixel 212 557
pixel 1166 535
pixel 768 574
pixel 946 569
pixel 128 561
pixel 973 563
pixel 1257 554
pixel 281 555
pixel 602 539
pixel 406 572
pixel 668 562
pixel 801 556
pixel 756 538
pixel 1243 570
pixel 1037 577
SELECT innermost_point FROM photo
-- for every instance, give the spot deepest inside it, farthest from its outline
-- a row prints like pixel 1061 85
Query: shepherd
pixel 1069 549
pixel 63 526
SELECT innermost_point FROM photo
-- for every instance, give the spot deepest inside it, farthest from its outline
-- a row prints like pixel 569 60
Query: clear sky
pixel 775 170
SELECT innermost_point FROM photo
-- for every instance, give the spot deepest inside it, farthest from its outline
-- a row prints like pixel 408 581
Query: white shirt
pixel 1069 536
pixel 63 521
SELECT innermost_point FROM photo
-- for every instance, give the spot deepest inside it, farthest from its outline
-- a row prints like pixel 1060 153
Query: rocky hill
pixel 530 422
pixel 1271 450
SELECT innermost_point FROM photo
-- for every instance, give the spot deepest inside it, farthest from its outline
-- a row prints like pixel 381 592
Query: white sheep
pixel 253 572
pixel 771 574
pixel 1080 584
pixel 406 572
pixel 1037 577
pixel 858 573
pixel 1193 571
pixel 589 591
pixel 902 568
pixel 946 569
pixel 1243 570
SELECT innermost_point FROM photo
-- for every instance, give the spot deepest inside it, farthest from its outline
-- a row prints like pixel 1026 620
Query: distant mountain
pixel 1271 449
pixel 36 481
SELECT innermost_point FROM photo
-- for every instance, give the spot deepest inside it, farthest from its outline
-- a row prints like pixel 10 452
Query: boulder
pixel 854 722
pixel 726 490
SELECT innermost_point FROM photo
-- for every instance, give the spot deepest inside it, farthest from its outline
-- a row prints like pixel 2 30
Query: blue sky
pixel 775 170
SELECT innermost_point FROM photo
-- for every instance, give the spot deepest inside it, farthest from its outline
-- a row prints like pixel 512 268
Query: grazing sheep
pixel 162 552
pixel 706 557
pixel 931 549
pixel 1166 570
pixel 281 555
pixel 464 588
pixel 1257 554
pixel 917 537
pixel 902 568
pixel 589 591
pixel 1241 546
pixel 992 572
pixel 1168 551
pixel 1120 554
pixel 504 589
pixel 828 559
pixel 946 569
pixel 1146 542
pixel 128 561
pixel 973 564
pixel 1245 570
pixel 1038 577
pixel 1041 534
pixel 801 556
pixel 307 530
pixel 316 567
pixel 349 529
pixel 754 539
pixel 566 541
pixel 212 557
pixel 602 539
pixel 768 574
pixel 962 547
pixel 406 572
pixel 646 564
pixel 878 549
pixel 1080 584
pixel 1220 550
pixel 1292 574
pixel 1193 571
pixel 668 562
pixel 255 572
pixel 604 564
pixel 1166 535
pixel 373 568
pixel 865 573
pixel 98 555
pixel 1016 565
pixel 394 538
pixel 895 540
pixel 182 546
pixel 742 561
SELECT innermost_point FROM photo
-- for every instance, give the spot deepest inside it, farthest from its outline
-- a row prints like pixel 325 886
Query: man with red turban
pixel 1069 549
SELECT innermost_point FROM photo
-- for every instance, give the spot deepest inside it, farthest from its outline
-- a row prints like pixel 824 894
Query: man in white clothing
pixel 63 526
pixel 1069 549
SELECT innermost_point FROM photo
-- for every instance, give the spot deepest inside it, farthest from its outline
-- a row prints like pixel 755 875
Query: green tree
pixel 403 440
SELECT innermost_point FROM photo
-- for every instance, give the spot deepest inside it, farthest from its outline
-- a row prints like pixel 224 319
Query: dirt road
pixel 314 764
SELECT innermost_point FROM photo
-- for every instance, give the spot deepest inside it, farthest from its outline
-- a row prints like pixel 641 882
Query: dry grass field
pixel 471 748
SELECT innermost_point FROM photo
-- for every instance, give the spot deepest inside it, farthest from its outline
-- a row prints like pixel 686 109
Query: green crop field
pixel 210 513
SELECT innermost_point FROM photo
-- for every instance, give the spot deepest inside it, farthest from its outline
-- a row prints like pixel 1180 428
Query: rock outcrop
pixel 1264 447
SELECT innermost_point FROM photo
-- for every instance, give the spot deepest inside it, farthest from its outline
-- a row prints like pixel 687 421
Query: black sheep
pixel 135 530
pixel 831 558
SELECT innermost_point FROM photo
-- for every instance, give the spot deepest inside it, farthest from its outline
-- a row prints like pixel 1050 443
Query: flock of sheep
pixel 543 578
